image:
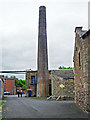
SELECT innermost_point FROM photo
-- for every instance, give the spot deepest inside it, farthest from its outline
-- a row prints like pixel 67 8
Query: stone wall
pixel 29 83
pixel 1 89
pixel 1 86
pixel 81 64
pixel 54 82
pixel 67 91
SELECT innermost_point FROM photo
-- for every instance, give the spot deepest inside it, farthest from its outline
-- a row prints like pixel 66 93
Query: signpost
pixel 61 89
pixel 61 86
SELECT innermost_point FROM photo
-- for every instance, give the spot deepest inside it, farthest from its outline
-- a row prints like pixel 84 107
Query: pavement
pixel 31 108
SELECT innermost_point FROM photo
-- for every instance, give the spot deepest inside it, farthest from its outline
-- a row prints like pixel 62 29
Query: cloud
pixel 19 31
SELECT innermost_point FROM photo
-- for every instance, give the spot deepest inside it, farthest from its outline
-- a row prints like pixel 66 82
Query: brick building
pixel 82 68
pixel 10 86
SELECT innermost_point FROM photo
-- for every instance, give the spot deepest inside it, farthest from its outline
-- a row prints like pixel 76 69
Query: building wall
pixel 81 65
pixel 29 83
pixel 10 85
pixel 88 74
pixel 54 83
pixel 1 89
pixel 1 86
pixel 68 86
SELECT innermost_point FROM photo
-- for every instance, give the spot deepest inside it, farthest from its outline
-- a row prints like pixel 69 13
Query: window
pixel 32 79
pixel 79 60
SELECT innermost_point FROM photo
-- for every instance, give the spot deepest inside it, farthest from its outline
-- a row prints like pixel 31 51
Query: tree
pixel 62 67
pixel 20 83
pixel 6 76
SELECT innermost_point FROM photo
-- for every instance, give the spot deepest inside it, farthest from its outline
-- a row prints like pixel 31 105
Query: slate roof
pixel 86 34
pixel 9 78
pixel 64 73
pixel 1 76
pixel 81 33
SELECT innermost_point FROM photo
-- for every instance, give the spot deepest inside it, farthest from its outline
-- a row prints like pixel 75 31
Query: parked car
pixel 6 93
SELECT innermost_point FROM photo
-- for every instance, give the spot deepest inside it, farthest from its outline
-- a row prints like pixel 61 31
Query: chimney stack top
pixel 42 8
pixel 78 29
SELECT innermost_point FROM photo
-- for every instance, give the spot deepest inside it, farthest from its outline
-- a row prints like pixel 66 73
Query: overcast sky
pixel 19 31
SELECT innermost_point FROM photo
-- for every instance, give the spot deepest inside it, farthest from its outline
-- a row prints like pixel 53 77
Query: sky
pixel 19 32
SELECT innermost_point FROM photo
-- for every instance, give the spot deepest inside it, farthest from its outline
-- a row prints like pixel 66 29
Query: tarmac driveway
pixel 31 108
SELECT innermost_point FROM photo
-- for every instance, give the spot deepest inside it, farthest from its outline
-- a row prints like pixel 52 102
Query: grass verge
pixel 1 102
pixel 2 118
pixel 38 98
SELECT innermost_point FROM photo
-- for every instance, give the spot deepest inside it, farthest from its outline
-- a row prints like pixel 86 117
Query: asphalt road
pixel 31 108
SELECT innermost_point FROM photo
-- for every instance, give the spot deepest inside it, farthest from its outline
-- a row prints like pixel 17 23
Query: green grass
pixel 1 102
pixel 38 98
pixel 2 118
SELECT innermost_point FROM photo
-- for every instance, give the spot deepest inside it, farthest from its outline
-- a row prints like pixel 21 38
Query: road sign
pixel 61 86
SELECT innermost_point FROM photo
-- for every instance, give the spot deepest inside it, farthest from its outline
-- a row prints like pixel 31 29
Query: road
pixel 31 108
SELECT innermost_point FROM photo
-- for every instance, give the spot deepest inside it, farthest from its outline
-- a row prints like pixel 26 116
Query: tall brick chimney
pixel 42 63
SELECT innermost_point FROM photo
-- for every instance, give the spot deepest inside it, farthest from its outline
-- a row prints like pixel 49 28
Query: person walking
pixel 18 92
pixel 21 93
pixel 29 92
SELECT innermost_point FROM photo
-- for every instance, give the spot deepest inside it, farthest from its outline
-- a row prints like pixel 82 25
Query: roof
pixel 64 73
pixel 32 71
pixel 9 78
pixel 86 34
pixel 81 33
pixel 1 76
pixel 78 28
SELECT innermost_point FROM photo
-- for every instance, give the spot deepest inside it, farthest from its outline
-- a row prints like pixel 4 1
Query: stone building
pixel 1 86
pixel 9 86
pixel 82 68
pixel 31 82
pixel 56 77
pixel 63 77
